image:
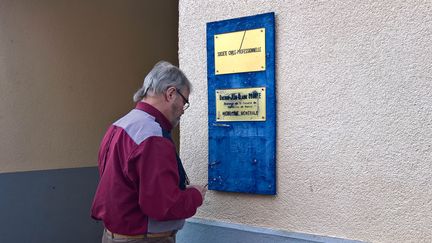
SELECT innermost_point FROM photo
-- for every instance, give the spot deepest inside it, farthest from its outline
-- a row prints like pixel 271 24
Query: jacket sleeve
pixel 153 169
pixel 104 148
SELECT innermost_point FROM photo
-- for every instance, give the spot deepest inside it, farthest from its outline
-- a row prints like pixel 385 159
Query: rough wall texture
pixel 354 127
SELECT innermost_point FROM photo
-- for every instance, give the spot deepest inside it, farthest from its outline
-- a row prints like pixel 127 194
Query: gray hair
pixel 160 78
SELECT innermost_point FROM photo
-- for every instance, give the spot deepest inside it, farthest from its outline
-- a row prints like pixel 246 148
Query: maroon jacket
pixel 139 190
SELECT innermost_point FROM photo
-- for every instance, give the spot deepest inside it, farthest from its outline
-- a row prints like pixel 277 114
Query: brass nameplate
pixel 241 51
pixel 247 104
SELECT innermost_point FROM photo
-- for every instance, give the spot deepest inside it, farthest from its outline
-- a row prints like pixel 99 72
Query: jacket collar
pixel 160 118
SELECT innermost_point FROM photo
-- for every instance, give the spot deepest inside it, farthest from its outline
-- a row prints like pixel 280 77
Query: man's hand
pixel 201 189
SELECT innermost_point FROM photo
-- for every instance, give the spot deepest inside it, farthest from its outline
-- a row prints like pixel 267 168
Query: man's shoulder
pixel 139 125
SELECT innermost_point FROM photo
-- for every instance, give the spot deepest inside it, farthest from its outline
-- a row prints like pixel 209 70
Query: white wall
pixel 354 108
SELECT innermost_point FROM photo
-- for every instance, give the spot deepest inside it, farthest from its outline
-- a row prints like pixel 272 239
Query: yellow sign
pixel 242 51
pixel 247 104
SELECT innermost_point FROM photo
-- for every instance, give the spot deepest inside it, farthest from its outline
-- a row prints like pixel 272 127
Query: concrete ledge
pixel 198 230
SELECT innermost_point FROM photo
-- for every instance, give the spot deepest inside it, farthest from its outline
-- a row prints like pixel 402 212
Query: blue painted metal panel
pixel 242 154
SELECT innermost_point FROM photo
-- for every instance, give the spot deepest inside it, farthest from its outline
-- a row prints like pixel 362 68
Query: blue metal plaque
pixel 242 154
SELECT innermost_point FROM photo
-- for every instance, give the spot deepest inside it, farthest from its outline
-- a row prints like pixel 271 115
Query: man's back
pixel 137 165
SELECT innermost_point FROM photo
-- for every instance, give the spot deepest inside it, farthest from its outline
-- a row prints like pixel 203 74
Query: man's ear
pixel 170 93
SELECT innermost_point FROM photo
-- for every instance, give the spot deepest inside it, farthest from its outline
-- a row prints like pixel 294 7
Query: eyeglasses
pixel 185 101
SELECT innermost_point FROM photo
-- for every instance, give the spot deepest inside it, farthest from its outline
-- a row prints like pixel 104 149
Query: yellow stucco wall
pixel 68 69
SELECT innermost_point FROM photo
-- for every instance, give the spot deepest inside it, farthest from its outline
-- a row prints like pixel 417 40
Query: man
pixel 143 194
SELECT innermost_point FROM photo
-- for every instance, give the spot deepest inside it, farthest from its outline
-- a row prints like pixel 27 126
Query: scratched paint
pixel 242 154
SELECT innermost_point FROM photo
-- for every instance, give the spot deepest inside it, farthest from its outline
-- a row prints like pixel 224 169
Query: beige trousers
pixel 107 239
